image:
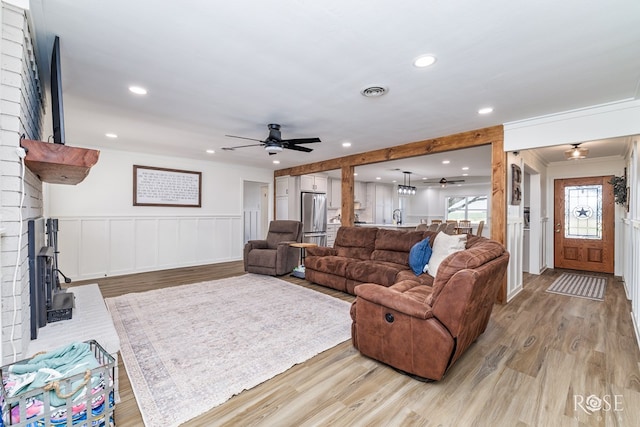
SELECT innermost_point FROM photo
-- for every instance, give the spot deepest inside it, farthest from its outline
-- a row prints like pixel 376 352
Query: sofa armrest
pixel 321 251
pixel 394 299
pixel 257 244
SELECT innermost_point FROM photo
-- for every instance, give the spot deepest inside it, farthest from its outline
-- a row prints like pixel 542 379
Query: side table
pixel 299 271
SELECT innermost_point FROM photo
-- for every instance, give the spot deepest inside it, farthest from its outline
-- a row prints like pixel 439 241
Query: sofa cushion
pixel 328 264
pixel 355 242
pixel 443 246
pixel 419 256
pixel 394 246
pixel 423 279
pixel 380 272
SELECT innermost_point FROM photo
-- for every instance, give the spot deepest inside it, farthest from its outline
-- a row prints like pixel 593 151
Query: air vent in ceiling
pixel 373 91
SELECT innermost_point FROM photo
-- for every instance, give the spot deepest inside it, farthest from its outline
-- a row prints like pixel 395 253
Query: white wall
pixel 103 234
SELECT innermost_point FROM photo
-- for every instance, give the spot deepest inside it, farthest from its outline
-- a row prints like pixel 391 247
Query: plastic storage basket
pixel 93 408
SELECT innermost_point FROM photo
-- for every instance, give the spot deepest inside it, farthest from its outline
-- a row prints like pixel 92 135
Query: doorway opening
pixel 255 210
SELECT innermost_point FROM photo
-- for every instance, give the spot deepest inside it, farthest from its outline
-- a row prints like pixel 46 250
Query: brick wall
pixel 21 112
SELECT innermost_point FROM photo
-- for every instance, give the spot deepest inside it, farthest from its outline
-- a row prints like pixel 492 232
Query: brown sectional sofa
pixel 364 255
pixel 417 324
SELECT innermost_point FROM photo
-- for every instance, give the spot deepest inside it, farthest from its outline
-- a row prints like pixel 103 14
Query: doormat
pixel 579 285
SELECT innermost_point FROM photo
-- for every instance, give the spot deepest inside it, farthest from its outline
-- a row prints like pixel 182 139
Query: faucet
pixel 397 216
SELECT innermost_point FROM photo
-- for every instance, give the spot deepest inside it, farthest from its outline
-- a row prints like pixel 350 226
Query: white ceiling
pixel 218 68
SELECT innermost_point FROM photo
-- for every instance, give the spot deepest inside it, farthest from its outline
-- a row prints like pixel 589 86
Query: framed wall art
pixel 153 186
pixel 516 181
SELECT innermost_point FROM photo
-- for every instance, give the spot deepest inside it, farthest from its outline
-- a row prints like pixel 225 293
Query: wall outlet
pixel 21 152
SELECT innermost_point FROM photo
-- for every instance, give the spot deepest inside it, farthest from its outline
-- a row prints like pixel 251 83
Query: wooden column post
pixel 347 214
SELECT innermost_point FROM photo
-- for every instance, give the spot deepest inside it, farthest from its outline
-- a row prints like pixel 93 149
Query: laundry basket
pixel 88 396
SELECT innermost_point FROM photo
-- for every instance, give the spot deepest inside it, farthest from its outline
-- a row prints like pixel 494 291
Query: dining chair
pixel 436 221
pixel 450 227
pixel 464 226
pixel 480 227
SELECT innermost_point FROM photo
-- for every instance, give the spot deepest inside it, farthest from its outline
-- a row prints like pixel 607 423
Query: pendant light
pixel 406 189
pixel 576 152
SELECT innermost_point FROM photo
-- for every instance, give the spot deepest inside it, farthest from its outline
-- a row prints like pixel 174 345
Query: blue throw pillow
pixel 419 256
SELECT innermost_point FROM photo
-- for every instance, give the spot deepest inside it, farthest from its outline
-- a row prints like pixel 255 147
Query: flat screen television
pixel 57 111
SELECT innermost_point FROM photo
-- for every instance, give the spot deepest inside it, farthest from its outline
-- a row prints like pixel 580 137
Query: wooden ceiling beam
pixel 413 149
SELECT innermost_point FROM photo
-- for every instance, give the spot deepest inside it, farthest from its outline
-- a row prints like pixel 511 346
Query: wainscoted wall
pixel 111 246
pixel 101 233
pixel 515 237
pixel 632 270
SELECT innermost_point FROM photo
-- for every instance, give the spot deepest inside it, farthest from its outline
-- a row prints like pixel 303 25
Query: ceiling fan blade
pixel 301 141
pixel 241 146
pixel 296 148
pixel 242 137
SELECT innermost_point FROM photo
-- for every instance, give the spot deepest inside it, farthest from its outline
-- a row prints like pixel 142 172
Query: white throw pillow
pixel 443 246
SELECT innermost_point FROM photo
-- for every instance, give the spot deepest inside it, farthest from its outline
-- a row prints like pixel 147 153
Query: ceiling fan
pixel 274 142
pixel 444 181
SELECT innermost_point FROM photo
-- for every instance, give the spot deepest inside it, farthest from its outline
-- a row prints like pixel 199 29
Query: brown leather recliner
pixel 273 256
pixel 423 330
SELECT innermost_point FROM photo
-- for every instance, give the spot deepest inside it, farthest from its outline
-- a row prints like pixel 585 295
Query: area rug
pixel 190 348
pixel 579 285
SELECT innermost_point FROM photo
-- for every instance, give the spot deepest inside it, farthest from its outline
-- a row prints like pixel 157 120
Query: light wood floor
pixel 540 358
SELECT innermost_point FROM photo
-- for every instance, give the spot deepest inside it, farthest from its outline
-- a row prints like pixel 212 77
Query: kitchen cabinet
pixel 380 200
pixel 287 199
pixel 314 183
pixel 335 194
pixel 360 192
pixel 282 186
pixel 282 207
pixel 332 231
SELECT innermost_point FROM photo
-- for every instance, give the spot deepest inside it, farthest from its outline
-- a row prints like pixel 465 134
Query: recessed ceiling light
pixel 111 135
pixel 424 177
pixel 355 174
pixel 424 61
pixel 211 151
pixel 394 181
pixel 378 178
pixel 465 174
pixel 485 110
pixel 465 168
pixel 276 162
pixel 138 90
pixel 346 144
pixel 446 162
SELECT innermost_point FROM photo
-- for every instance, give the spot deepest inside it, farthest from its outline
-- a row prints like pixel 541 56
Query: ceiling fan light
pixel 576 152
pixel 273 148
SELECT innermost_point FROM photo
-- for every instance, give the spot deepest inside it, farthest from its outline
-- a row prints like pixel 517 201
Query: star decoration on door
pixel 582 212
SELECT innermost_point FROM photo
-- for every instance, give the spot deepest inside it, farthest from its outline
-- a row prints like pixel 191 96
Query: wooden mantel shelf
pixel 58 163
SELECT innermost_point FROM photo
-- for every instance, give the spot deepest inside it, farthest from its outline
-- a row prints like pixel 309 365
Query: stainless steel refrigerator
pixel 313 215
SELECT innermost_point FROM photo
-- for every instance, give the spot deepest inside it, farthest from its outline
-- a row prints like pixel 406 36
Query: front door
pixel 584 224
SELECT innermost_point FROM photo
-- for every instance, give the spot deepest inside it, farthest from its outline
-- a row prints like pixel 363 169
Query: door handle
pixel 558 227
